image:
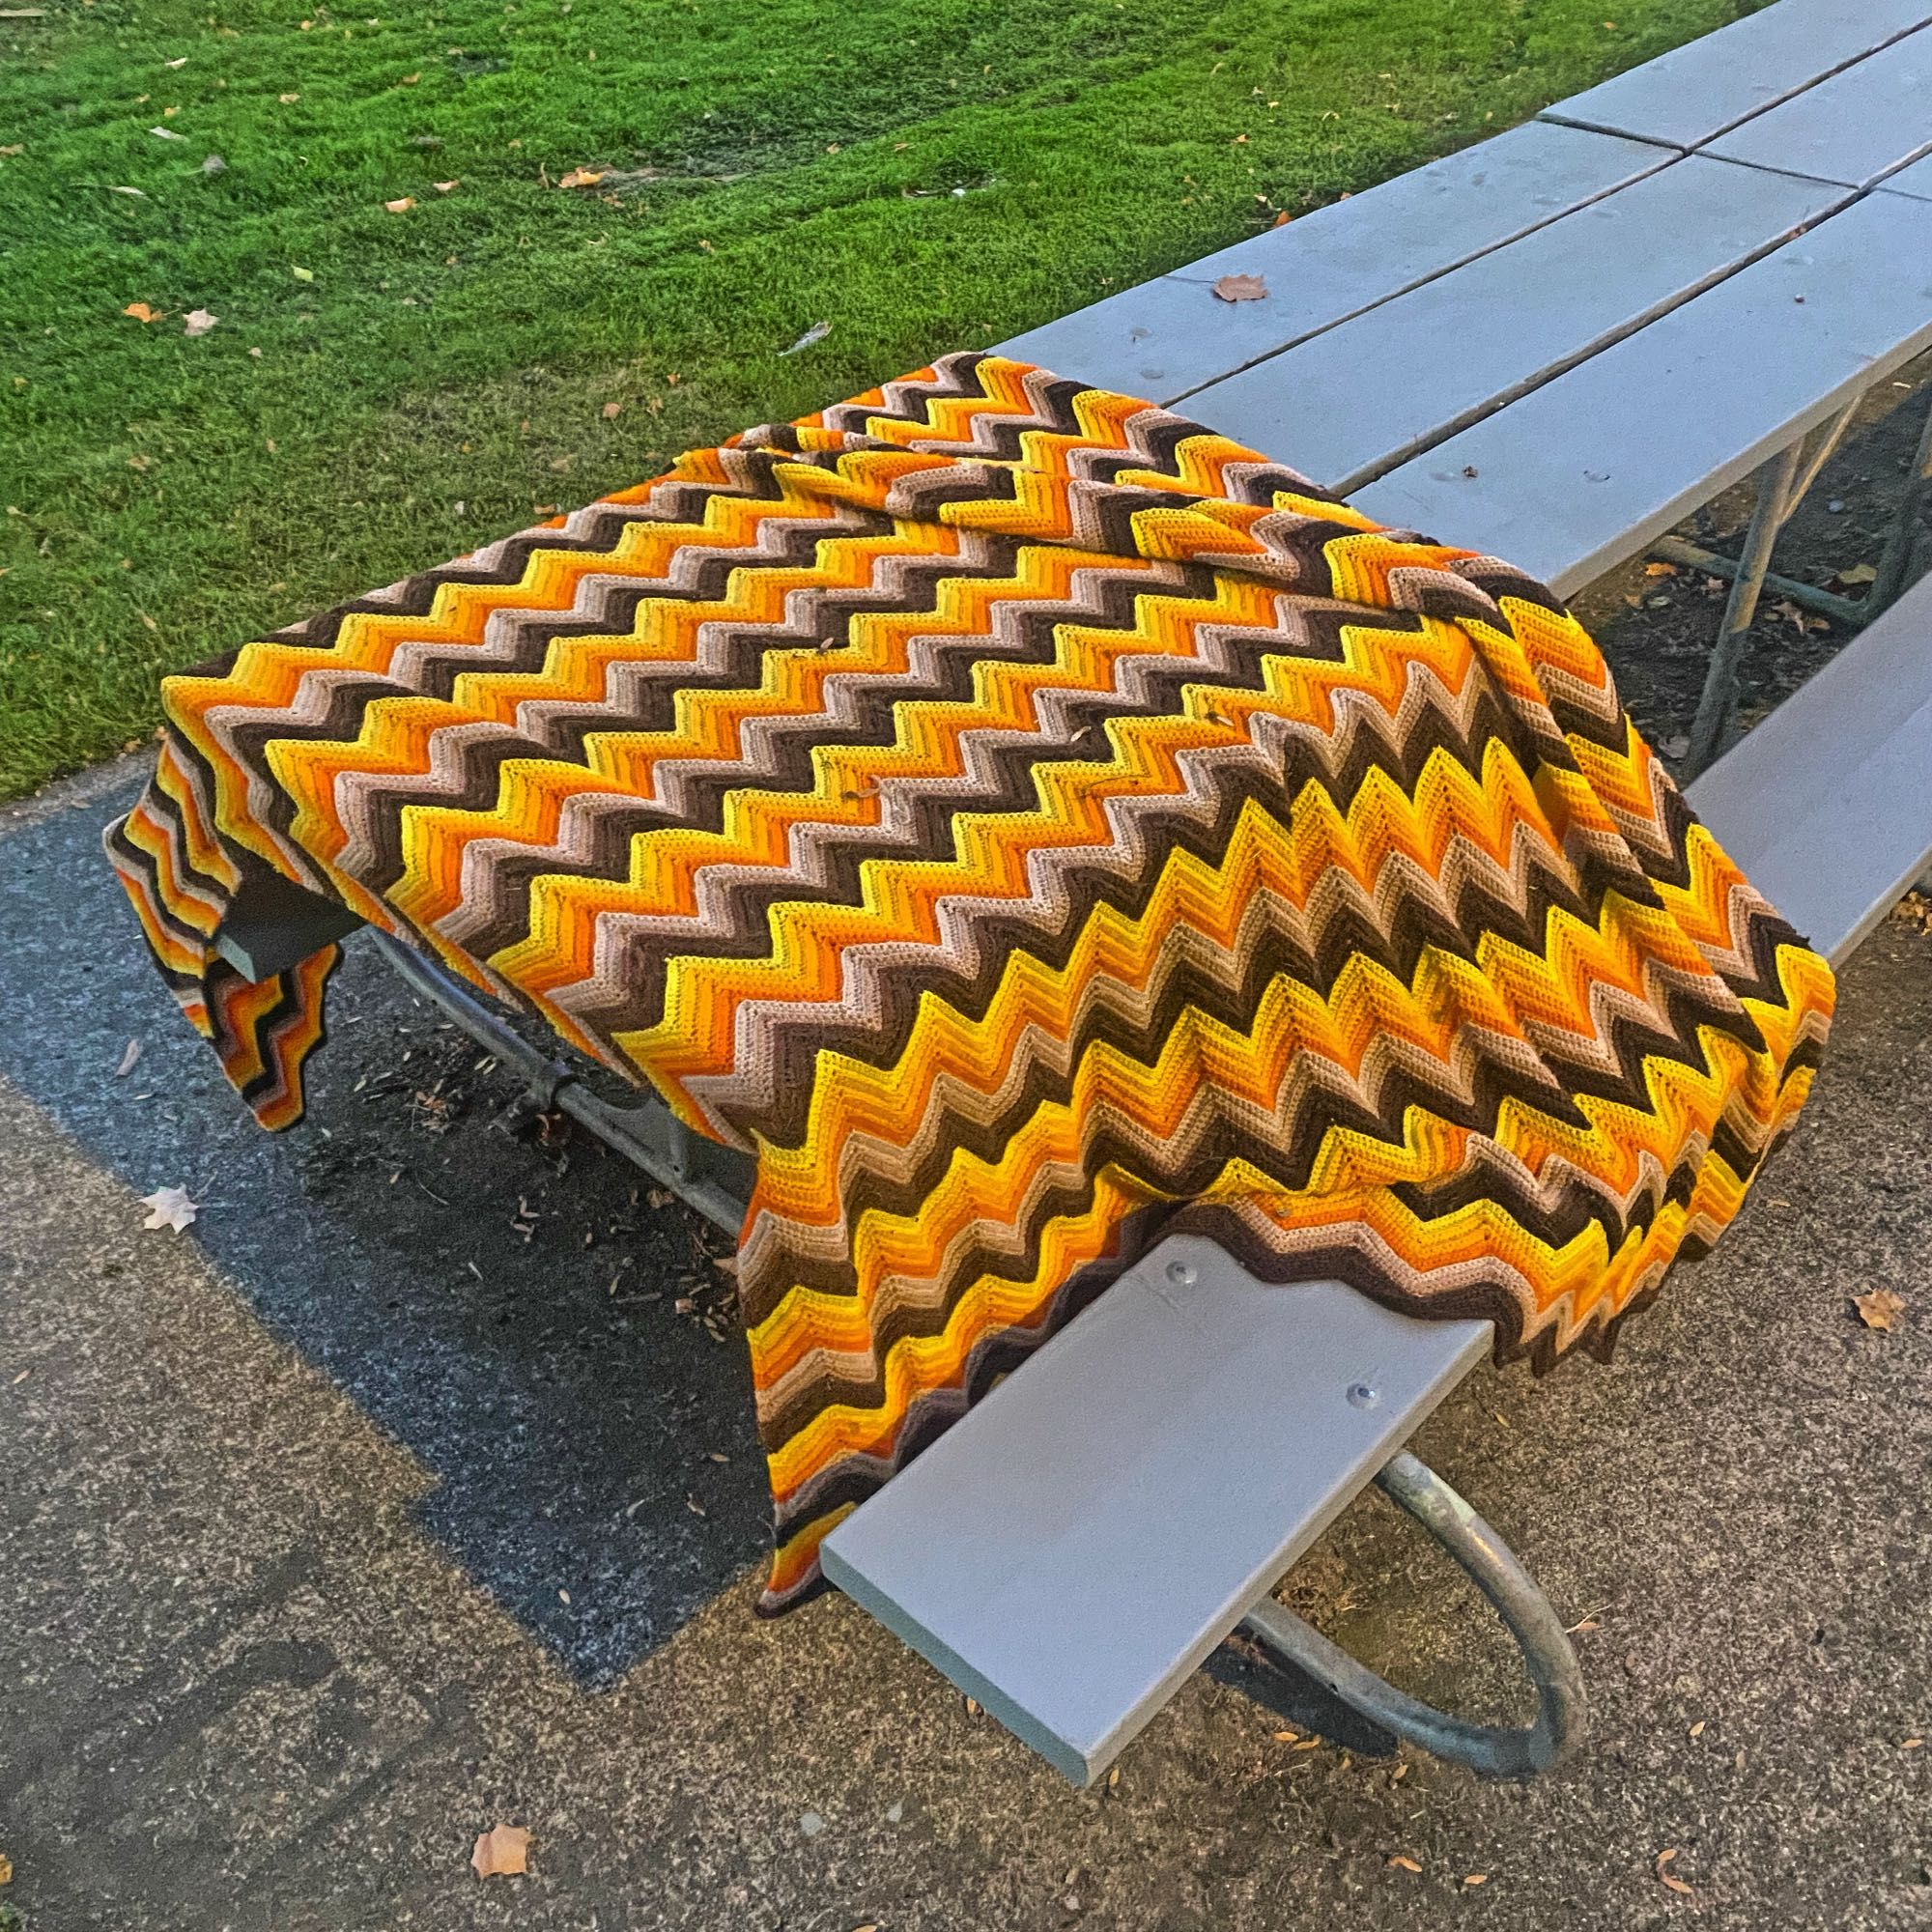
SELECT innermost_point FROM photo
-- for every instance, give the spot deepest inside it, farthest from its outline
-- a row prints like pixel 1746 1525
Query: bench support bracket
pixel 1494 1752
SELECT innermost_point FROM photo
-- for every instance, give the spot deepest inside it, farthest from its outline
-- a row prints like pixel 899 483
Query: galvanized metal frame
pixel 1782 484
pixel 1493 1751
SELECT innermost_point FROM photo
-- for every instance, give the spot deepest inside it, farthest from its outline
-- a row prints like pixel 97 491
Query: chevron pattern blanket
pixel 1027 823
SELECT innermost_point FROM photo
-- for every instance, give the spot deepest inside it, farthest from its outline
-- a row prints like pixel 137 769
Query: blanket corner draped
pixel 1030 824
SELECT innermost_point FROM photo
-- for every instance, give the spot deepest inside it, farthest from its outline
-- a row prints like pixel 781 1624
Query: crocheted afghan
pixel 1027 823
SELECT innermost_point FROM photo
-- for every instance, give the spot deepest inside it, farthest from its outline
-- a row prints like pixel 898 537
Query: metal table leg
pixel 1493 1751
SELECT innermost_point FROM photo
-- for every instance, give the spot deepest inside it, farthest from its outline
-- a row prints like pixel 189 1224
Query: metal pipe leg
pixel 1494 1750
pixel 1775 482
pixel 1896 558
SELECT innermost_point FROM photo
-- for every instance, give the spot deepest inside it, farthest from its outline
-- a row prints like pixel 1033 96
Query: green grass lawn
pixel 383 389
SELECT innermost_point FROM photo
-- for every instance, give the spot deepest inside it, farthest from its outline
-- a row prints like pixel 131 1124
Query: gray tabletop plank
pixel 1858 125
pixel 1707 85
pixel 1916 180
pixel 1585 471
pixel 1165 338
pixel 1826 805
pixel 1073 1548
pixel 1360 398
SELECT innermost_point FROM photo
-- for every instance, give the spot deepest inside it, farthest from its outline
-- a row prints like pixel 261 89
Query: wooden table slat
pixel 1362 398
pixel 1164 338
pixel 1707 85
pixel 1851 129
pixel 1582 472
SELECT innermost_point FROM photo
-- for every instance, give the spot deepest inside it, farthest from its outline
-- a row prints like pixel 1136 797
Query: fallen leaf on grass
pixel 582 178
pixel 1241 289
pixel 141 312
pixel 137 193
pixel 613 410
pixel 127 1060
pixel 817 333
pixel 303 274
pixel 287 99
pixel 170 1208
pixel 165 134
pixel 17 148
pixel 199 321
pixel 214 165
pixel 1401 1863
pixel 182 62
pixel 1664 1857
pixel 1879 1309
pixel 445 188
pixel 401 205
pixel 502 1852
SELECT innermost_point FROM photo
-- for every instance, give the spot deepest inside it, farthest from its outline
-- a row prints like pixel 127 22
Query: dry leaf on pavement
pixel 1664 1857
pixel 1879 1309
pixel 141 312
pixel 127 1060
pixel 1241 289
pixel 502 1852
pixel 1401 1863
pixel 170 1208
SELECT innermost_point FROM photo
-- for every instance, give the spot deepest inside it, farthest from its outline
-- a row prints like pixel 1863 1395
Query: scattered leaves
pixel 582 178
pixel 817 333
pixel 1401 1863
pixel 1475 1878
pixel 170 1208
pixel 1669 1879
pixel 198 322
pixel 502 1852
pixel 1880 1309
pixel 1241 288
pixel 402 203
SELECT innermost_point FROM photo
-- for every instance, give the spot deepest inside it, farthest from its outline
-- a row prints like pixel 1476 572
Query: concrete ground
pixel 413 1489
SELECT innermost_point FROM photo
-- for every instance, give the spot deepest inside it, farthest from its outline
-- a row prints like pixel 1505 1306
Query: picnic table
pixel 1551 346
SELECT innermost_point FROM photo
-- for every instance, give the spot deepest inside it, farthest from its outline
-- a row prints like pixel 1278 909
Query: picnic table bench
pixel 1553 346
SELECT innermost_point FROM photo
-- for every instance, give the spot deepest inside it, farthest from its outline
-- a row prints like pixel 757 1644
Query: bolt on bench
pixel 1551 346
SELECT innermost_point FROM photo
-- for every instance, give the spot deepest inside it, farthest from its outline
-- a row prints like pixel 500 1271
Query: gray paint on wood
pixel 1165 338
pixel 1826 805
pixel 1916 180
pixel 1710 84
pixel 1071 1549
pixel 1585 471
pixel 1852 128
pixel 1359 399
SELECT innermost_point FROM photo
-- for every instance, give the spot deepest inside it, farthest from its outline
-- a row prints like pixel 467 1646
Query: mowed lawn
pixel 381 389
